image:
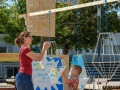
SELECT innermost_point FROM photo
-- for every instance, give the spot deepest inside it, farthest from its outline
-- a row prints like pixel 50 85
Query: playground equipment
pixel 108 61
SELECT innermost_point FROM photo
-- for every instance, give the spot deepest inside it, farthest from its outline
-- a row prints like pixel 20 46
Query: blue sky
pixel 9 2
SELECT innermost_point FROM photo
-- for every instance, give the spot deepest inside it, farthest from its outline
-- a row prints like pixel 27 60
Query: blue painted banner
pixel 47 74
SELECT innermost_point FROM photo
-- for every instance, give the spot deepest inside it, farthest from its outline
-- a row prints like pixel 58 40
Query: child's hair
pixel 78 68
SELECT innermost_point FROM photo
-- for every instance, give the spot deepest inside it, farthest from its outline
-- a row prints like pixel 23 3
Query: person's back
pixel 25 61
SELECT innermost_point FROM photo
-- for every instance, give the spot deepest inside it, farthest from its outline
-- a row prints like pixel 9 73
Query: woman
pixel 23 78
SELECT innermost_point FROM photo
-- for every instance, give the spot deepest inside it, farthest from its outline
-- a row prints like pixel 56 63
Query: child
pixel 73 81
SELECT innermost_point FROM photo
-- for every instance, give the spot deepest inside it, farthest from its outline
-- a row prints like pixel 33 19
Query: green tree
pixel 11 24
pixel 66 33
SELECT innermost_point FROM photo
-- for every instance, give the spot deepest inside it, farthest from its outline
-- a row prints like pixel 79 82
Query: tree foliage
pixel 68 24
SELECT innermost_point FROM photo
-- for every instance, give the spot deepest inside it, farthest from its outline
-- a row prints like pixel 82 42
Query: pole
pixel 106 16
pixel 99 30
pixel 93 82
pixel 78 29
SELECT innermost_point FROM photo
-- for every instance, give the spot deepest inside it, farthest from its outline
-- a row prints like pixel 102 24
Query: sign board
pixel 47 74
pixel 41 25
pixel 9 57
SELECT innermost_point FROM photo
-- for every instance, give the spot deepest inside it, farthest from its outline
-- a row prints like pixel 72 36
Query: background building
pixel 7 69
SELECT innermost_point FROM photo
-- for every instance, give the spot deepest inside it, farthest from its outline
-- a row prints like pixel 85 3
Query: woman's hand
pixel 39 57
pixel 46 45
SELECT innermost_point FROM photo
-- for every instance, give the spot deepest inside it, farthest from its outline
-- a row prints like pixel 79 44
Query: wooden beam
pixel 70 7
pixel 23 16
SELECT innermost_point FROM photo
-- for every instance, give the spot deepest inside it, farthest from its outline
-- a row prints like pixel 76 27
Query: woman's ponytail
pixel 20 39
pixel 17 42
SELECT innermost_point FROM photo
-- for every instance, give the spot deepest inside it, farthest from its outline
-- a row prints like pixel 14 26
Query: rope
pixel 94 57
pixel 49 13
pixel 104 72
pixel 109 43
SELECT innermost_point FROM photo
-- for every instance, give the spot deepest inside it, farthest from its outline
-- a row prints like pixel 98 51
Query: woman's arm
pixel 39 57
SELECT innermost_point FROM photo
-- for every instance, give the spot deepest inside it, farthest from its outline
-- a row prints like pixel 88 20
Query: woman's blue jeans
pixel 24 81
